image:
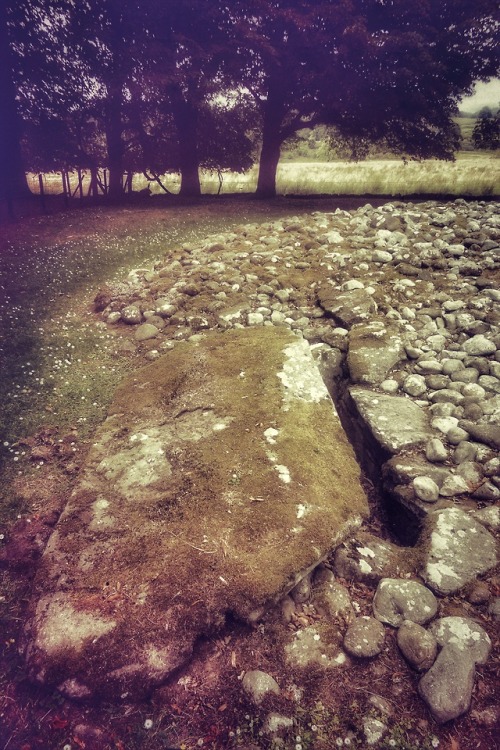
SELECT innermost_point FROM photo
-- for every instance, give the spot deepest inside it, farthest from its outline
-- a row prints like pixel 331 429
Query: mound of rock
pixel 222 476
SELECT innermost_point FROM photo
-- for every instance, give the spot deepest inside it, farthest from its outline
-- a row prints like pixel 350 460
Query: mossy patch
pixel 221 475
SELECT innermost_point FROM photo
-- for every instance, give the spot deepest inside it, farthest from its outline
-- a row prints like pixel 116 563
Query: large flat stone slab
pixel 348 308
pixel 395 422
pixel 373 350
pixel 221 476
pixel 457 549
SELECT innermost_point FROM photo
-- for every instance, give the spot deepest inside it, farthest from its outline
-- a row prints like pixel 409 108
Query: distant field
pixel 466 176
pixel 470 174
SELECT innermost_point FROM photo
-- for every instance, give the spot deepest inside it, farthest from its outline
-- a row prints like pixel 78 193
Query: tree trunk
pixel 42 193
pixel 13 183
pixel 186 124
pixel 272 138
pixel 94 184
pixel 114 141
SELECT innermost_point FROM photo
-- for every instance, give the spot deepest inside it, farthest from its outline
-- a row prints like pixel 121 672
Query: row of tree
pixel 175 85
pixel 486 132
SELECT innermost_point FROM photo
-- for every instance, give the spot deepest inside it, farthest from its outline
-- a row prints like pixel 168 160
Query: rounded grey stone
pixel 146 331
pixel 492 467
pixel 381 256
pixel 444 424
pixel 332 600
pixel 428 366
pixel 414 385
pixel 447 687
pixel 479 345
pixel 465 634
pixel 258 684
pixel 435 451
pixel 464 451
pixel 473 392
pixel 426 489
pixel 472 410
pixel 275 723
pixel 131 315
pixel 469 376
pixel 255 319
pixel 418 646
pixel 489 517
pixel 373 730
pixel 471 471
pixel 397 600
pixel 452 365
pixel 456 435
pixel 364 637
pixel 446 395
pixel 442 410
pixel 435 382
pixel 352 284
pixel 164 308
pixel 494 608
pixel 366 559
pixel 155 320
pixel 453 485
pixel 389 386
pixel 489 383
pixel 488 492
pixel 302 591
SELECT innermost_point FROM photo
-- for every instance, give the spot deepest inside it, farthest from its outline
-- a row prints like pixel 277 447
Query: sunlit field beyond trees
pixel 470 174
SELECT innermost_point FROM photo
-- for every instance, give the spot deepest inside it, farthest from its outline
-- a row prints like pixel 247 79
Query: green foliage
pixel 143 86
pixel 486 133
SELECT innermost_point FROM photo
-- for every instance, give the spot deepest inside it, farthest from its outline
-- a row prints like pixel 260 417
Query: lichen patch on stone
pixel 63 627
pixel 300 376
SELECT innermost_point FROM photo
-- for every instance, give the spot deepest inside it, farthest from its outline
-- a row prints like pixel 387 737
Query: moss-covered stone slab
pixel 221 476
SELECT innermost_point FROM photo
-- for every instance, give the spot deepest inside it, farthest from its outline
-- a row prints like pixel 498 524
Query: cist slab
pixel 221 476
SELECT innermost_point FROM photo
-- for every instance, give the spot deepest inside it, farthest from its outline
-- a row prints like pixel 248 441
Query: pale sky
pixel 485 95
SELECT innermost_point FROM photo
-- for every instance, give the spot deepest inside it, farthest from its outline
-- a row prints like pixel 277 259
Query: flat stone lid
pixel 220 477
pixel 395 422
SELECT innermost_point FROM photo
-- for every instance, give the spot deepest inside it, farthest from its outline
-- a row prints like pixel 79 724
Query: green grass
pixel 58 362
pixel 318 172
pixel 469 175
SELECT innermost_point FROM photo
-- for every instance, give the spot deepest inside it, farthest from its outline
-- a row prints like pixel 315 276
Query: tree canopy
pixel 158 86
pixel 486 133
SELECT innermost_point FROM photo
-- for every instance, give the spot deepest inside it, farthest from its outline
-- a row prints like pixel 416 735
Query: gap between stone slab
pixel 402 526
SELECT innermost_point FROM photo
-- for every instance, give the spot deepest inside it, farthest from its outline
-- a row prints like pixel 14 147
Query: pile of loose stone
pixel 401 306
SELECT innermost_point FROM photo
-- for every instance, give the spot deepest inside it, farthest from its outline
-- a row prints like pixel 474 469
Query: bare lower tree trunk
pixel 114 140
pixel 80 183
pixel 272 138
pixel 13 183
pixel 268 166
pixel 186 124
pixel 64 187
pixel 42 193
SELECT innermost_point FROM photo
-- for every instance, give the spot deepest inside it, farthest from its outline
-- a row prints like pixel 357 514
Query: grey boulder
pixel 397 600
pixel 447 687
pixel 457 549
